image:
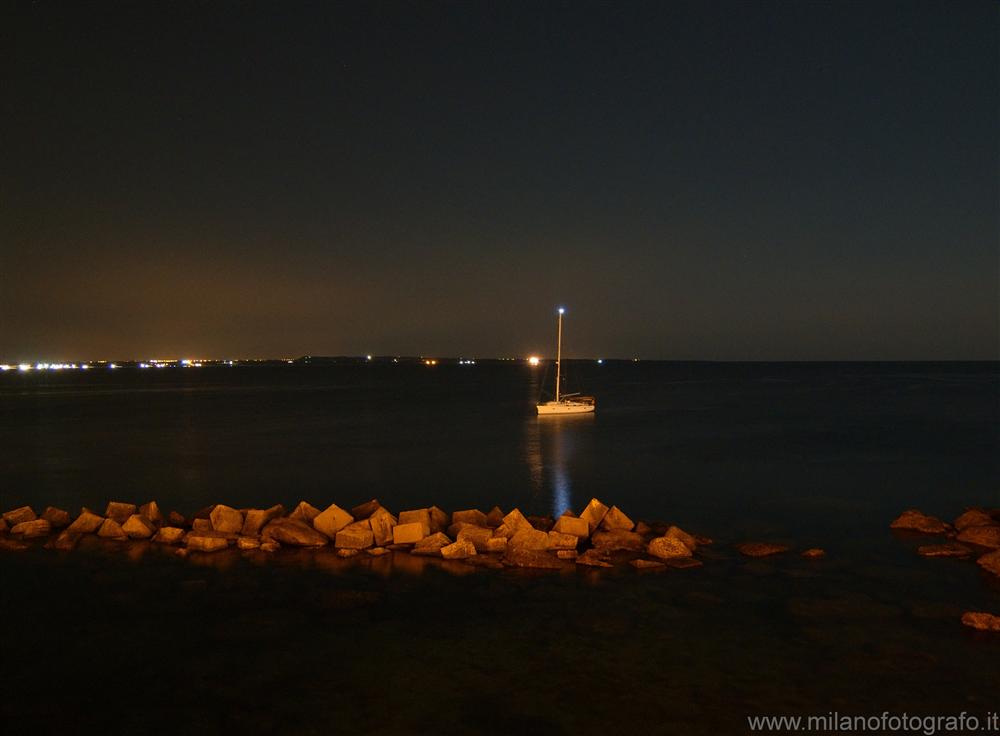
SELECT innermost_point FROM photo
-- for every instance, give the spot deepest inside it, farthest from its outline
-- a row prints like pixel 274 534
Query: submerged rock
pixel 3 527
pixel 66 540
pixel 269 545
pixel 331 520
pixel 530 558
pixel 32 529
pixel 377 551
pixel 688 540
pixel 56 517
pixel 257 519
pixel 111 529
pixel 814 553
pixel 19 516
pixel 592 558
pixel 642 564
pixel 248 543
pixel 567 554
pixel 917 521
pixel 460 550
pixel 683 563
pixel 981 620
pixel 346 552
pixel 138 527
pixel 982 536
pixel 950 549
pixel 119 511
pixel 226 519
pixel 203 543
pixel 294 532
pixel 87 522
pixel 169 535
pixel 617 539
pixel 761 549
pixel 668 548
pixel 11 545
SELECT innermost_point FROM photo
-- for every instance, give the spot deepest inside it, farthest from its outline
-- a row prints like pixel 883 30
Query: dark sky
pixel 743 180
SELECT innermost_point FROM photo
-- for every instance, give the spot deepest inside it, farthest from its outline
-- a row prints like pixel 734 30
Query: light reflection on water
pixel 551 444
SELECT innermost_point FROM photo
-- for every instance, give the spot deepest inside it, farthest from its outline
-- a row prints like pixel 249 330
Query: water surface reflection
pixel 553 446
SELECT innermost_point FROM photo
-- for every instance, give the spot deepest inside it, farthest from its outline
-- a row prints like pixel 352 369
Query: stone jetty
pixel 599 536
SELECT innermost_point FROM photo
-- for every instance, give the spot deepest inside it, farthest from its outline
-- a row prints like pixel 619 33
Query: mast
pixel 559 352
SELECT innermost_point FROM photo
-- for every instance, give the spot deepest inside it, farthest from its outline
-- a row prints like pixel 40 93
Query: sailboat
pixel 565 403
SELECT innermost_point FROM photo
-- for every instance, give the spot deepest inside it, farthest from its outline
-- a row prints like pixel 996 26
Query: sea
pixel 806 454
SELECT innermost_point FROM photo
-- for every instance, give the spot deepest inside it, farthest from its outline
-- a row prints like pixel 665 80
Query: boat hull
pixel 565 407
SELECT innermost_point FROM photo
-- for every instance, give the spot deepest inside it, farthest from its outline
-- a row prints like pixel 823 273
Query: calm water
pixel 815 454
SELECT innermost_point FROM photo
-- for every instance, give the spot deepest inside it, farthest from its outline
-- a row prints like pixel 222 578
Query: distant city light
pixel 24 367
pixel 430 361
pixel 112 366
pixel 4 367
pixel 368 357
pixel 600 361
pixel 463 361
pixel 534 359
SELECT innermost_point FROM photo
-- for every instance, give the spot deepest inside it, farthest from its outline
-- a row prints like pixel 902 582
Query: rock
pixel 203 513
pixel 478 536
pixel 981 621
pixel 572 525
pixel 530 558
pixel 643 528
pixel 616 519
pixel 226 519
pixel 256 519
pixel 377 551
pixel 382 522
pixel 202 526
pixel 617 539
pixel 592 558
pixel 417 516
pixel 346 552
pixel 138 527
pixel 152 512
pixel 366 509
pixel 951 549
pixel 294 532
pixel 496 544
pixel 761 549
pixel 304 512
pixel 175 519
pixel 460 550
pixel 484 561
pixel 269 545
pixel 32 529
pixel 528 539
pixel 917 521
pixel 119 511
pixel 558 540
pixel 469 516
pixel 3 527
pixel 248 543
pixel 594 514
pixel 973 517
pixel 431 545
pixel 439 519
pixel 332 520
pixel 682 563
pixel 688 540
pixel 355 536
pixel 87 522
pixel 494 517
pixel 19 516
pixel 203 543
pixel 454 529
pixel 667 548
pixel 111 529
pixel 982 536
pixel 408 533
pixel 566 554
pixel 514 522
pixel 541 523
pixel 814 553
pixel 56 517
pixel 169 535
pixel 990 562
pixel 642 564
pixel 66 540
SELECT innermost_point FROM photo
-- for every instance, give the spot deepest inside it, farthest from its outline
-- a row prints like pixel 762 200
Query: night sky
pixel 719 181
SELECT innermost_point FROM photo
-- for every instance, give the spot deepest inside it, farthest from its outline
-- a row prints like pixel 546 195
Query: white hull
pixel 565 407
